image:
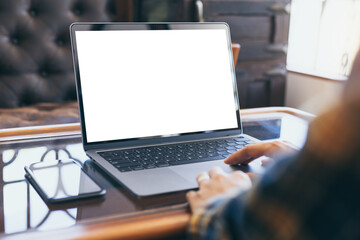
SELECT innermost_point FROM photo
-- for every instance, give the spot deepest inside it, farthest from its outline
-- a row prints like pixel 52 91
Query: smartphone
pixel 62 181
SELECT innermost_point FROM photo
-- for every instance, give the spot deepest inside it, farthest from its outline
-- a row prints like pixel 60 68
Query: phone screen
pixel 62 180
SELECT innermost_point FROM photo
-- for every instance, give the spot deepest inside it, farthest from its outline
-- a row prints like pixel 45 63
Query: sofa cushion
pixel 35 54
pixel 39 114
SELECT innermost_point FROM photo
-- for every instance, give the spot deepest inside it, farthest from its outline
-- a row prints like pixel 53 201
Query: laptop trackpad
pixel 155 181
pixel 190 171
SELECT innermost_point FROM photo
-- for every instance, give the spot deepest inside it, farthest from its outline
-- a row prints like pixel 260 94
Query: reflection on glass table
pixel 23 209
pixel 276 126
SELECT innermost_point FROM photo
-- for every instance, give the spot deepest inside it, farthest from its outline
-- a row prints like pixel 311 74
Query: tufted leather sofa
pixel 37 83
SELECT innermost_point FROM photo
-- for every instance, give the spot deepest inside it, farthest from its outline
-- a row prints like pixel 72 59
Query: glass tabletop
pixel 22 209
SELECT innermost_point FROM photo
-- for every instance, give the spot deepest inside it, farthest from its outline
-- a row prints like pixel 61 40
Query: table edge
pixel 75 129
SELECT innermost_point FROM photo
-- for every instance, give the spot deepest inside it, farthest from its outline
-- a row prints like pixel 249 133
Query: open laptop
pixel 158 102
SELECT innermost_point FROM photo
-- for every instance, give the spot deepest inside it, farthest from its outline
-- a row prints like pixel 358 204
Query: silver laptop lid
pixel 147 83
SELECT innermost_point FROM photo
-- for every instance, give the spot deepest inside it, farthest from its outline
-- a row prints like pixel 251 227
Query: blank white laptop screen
pixel 148 83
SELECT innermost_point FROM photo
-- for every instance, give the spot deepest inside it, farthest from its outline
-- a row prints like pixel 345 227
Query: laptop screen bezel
pixel 134 142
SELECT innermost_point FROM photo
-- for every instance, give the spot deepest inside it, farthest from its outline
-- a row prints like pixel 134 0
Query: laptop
pixel 158 102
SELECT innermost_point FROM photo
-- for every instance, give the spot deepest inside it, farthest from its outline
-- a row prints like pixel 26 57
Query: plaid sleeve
pixel 210 223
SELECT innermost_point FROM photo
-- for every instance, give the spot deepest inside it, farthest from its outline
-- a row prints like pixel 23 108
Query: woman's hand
pixel 256 150
pixel 215 183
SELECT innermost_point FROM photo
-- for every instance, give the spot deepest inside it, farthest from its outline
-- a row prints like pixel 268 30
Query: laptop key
pixel 121 165
pixel 106 154
pixel 125 169
pixel 163 164
pixel 230 147
pixel 222 152
pixel 232 144
pixel 231 151
pixel 240 146
pixel 137 168
pixel 116 163
pixel 149 166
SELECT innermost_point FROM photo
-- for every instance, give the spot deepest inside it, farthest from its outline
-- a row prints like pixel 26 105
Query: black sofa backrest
pixel 35 52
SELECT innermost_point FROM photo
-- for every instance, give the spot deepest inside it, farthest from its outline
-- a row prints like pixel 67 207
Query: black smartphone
pixel 61 181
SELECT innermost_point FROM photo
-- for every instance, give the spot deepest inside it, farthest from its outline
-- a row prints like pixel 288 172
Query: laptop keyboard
pixel 172 155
